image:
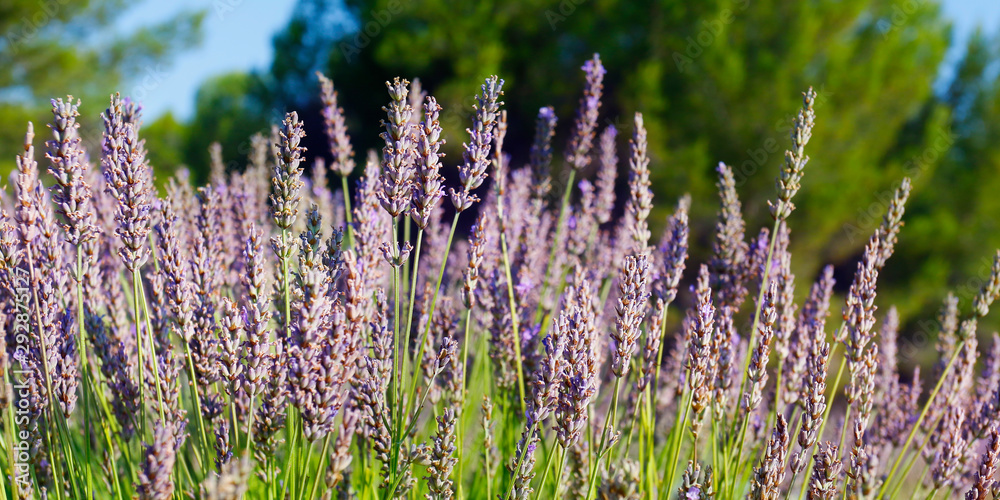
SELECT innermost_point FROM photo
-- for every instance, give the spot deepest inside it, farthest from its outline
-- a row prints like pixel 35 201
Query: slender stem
pixel 608 423
pixel 322 460
pixel 437 287
pixel 756 314
pixel 413 294
pixel 461 420
pixel 347 211
pixel 140 293
pixel 84 366
pixel 559 473
pixel 399 355
pixel 545 473
pixel 197 405
pixel 676 443
pixel 514 318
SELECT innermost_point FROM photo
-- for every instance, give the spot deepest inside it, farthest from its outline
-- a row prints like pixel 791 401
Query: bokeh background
pixel 906 88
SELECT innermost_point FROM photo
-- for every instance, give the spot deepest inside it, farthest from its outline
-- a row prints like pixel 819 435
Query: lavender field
pixel 284 332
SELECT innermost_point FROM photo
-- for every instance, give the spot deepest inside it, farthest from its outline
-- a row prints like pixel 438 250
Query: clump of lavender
pixel 302 379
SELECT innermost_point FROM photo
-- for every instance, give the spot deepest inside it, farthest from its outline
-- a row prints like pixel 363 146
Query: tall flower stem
pixel 765 274
pixel 559 473
pixel 347 211
pixel 196 399
pixel 461 420
pixel 84 366
pixel 139 294
pixel 601 451
pixel 513 316
pixel 398 360
pixel 322 461
pixel 413 290
pixel 437 288
pixel 676 443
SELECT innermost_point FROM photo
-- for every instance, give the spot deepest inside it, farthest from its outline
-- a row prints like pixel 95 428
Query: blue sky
pixel 238 37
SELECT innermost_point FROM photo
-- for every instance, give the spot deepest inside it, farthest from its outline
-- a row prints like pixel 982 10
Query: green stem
pixel 675 446
pixel 347 211
pixel 140 293
pixel 84 366
pixel 514 318
pixel 203 452
pixel 608 423
pixel 437 287
pixel 461 419
pixel 413 295
pixel 322 459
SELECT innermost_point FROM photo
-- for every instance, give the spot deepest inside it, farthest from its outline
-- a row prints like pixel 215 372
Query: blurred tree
pixel 228 110
pixel 718 80
pixel 51 48
pixel 953 227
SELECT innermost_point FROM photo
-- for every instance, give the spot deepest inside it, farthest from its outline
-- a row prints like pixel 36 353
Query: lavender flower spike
pixel 397 154
pixel 336 130
pixel 127 178
pixel 582 140
pixel 476 157
pixel 158 463
pixel 640 201
pixel 286 179
pixel 631 311
pixel 541 152
pixel 795 160
pixel 71 194
pixel 428 188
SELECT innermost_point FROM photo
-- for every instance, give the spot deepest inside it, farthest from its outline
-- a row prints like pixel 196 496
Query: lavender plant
pixel 351 361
